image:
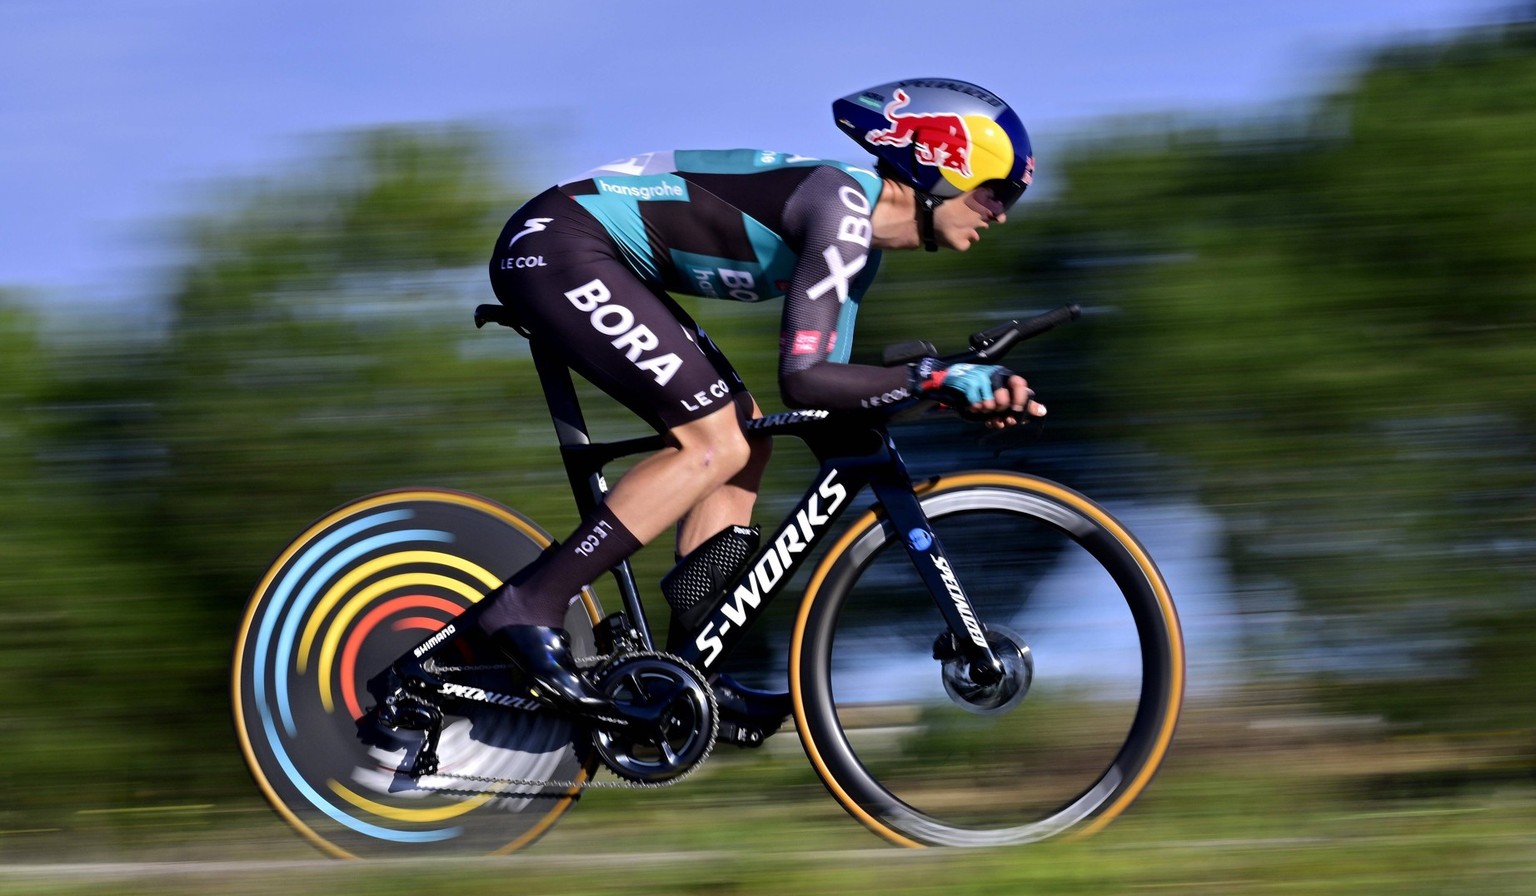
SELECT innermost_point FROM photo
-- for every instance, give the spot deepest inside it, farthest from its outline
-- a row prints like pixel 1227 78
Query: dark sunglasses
pixel 1006 192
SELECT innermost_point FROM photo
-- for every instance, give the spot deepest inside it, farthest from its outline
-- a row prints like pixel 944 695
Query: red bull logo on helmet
pixel 940 139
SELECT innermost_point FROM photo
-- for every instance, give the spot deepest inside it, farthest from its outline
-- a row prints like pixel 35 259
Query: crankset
pixel 683 703
pixel 679 709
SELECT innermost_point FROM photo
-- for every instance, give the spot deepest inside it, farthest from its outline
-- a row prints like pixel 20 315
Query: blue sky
pixel 114 112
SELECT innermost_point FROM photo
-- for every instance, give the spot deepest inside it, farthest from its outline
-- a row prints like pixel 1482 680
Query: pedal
pixel 747 736
pixel 749 716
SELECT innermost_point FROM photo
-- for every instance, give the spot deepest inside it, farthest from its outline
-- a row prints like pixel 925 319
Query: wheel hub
pixel 1018 672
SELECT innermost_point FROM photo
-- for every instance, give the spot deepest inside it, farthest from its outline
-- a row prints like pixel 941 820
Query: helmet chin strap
pixel 926 203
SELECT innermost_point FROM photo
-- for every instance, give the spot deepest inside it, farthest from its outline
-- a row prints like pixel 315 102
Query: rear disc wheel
pixel 355 591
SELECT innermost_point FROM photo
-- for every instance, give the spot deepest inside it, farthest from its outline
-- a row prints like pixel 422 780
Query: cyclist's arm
pixel 828 221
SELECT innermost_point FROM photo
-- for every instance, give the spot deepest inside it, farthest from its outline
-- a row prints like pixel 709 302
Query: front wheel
pixel 1089 639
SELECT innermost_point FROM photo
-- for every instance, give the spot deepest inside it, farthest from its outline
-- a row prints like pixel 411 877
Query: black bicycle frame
pixel 854 450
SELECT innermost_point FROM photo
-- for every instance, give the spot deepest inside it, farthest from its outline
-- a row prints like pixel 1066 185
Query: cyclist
pixel 587 265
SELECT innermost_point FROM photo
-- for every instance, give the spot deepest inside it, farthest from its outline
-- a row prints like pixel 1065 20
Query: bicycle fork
pixel 965 636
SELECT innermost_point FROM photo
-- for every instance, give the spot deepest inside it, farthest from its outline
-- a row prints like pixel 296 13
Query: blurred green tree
pixel 1332 315
pixel 80 615
pixel 320 347
pixel 316 345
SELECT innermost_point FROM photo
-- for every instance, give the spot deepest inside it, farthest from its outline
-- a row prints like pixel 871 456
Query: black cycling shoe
pixel 741 703
pixel 543 655
pixel 749 716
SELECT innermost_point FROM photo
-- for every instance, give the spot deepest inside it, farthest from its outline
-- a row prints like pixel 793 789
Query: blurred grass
pixel 1252 801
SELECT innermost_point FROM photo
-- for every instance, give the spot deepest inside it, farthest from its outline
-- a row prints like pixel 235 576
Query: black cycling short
pixel 564 279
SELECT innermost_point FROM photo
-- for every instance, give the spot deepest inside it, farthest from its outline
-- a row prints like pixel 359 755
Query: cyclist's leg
pixel 649 498
pixel 704 455
pixel 731 504
pixel 564 278
pixel 709 465
pixel 576 295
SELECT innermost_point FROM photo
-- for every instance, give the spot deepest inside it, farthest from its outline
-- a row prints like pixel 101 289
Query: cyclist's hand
pixel 988 392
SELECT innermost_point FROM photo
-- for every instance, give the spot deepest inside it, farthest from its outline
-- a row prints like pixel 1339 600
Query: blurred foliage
pixel 1321 325
pixel 1333 319
pixel 315 354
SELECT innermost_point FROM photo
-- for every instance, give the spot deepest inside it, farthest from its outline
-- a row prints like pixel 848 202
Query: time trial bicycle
pixel 981 658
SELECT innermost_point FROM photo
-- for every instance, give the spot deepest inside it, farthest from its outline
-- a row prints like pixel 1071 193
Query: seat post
pixel 570 426
pixel 560 395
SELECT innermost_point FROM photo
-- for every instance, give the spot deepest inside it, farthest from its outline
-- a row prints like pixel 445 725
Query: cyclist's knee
pixel 727 454
pixel 717 445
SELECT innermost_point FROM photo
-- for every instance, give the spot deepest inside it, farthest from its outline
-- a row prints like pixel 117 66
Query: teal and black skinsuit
pixel 588 265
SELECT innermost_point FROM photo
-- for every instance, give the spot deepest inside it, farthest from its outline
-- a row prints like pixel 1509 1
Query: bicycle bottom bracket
pixel 995 696
pixel 686 718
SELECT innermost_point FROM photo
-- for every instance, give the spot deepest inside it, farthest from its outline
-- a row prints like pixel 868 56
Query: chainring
pixel 686 731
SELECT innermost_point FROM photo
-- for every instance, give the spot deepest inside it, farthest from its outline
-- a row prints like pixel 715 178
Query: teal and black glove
pixel 957 385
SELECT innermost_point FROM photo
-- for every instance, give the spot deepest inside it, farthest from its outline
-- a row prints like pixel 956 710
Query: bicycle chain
pixel 562 788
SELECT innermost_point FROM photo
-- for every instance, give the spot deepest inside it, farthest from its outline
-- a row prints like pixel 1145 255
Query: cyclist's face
pixel 959 221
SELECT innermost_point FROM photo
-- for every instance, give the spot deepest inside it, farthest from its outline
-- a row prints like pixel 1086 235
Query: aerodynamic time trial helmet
pixel 940 136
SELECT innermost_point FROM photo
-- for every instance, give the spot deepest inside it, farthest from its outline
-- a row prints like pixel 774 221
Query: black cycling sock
pixel 540 593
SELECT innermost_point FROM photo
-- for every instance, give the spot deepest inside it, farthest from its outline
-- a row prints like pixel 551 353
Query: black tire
pixel 360 587
pixel 916 762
